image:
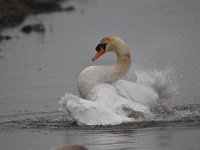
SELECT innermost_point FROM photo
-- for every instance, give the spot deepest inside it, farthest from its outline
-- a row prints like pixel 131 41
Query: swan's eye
pixel 101 45
pixel 104 45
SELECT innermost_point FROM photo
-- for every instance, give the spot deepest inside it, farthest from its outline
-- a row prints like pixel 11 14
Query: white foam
pixel 116 102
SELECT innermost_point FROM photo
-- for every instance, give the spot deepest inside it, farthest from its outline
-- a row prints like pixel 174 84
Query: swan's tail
pixel 163 82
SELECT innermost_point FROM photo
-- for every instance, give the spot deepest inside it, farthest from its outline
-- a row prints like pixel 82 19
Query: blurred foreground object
pixel 69 147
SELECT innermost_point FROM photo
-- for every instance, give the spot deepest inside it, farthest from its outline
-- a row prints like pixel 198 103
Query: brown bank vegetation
pixel 13 12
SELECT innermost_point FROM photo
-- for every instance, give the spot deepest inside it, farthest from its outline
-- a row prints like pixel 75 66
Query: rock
pixel 4 37
pixel 33 28
pixel 69 8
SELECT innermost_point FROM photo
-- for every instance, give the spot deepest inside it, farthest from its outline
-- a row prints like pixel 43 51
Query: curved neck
pixel 123 63
pixel 120 68
pixel 122 51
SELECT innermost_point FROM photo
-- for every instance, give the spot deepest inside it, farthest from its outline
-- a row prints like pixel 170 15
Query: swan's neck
pixel 122 65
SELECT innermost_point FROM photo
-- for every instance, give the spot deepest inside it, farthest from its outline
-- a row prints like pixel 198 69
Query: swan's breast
pixel 87 80
pixel 92 76
pixel 88 76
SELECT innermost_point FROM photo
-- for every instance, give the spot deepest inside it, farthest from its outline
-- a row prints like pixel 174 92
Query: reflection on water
pixel 123 138
pixel 151 139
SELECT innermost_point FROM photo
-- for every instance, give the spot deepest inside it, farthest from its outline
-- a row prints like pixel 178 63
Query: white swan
pixel 94 75
pixel 105 98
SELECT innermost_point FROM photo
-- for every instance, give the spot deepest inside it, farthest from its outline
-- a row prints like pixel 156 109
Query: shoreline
pixel 14 12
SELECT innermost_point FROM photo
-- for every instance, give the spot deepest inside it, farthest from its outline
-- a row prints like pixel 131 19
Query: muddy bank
pixel 13 12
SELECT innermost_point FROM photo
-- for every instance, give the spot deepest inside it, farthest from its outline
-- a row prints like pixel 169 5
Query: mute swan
pixel 94 75
pixel 106 98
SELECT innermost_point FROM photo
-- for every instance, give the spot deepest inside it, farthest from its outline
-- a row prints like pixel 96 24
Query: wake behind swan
pixel 106 99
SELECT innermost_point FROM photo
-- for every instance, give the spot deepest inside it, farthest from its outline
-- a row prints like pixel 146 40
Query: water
pixel 37 69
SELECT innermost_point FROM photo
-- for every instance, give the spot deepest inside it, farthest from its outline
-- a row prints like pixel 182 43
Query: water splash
pixel 184 115
pixel 123 101
pixel 163 82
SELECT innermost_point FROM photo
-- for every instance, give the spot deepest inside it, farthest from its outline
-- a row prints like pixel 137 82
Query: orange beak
pixel 100 52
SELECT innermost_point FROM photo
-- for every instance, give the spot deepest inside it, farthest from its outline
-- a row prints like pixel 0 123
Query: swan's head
pixel 109 44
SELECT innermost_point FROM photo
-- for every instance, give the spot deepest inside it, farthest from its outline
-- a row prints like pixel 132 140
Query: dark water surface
pixel 181 138
pixel 37 69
